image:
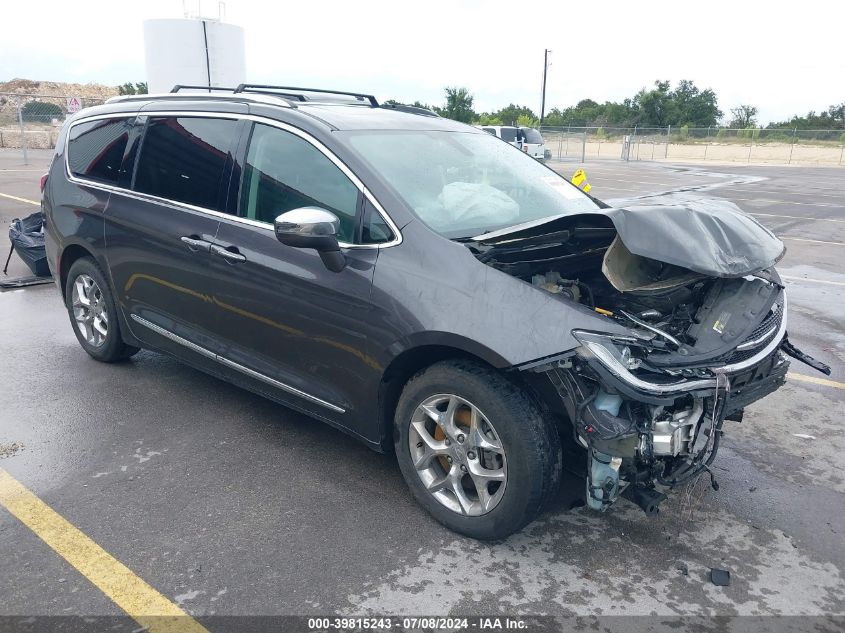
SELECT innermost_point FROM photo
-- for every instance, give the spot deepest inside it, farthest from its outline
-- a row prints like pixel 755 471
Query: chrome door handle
pixel 230 256
pixel 195 244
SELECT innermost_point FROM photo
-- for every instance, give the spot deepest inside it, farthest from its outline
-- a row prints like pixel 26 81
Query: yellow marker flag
pixel 579 179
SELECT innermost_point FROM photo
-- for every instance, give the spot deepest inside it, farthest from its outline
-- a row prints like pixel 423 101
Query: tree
pixel 837 113
pixel 41 112
pixel 458 105
pixel 655 106
pixel 485 118
pixel 694 107
pixel 138 88
pixel 415 104
pixel 743 117
pixel 512 114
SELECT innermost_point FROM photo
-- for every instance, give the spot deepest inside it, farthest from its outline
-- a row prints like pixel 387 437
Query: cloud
pixel 782 62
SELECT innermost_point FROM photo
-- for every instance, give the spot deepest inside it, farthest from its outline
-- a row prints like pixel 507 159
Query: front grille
pixel 738 357
pixel 772 320
pixel 770 324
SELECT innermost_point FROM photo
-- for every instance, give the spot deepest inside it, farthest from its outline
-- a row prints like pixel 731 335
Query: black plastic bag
pixel 28 242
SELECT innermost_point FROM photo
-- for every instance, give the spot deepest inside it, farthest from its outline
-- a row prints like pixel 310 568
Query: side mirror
pixel 312 227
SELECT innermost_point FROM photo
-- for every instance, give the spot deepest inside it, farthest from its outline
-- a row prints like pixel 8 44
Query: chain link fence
pixel 32 121
pixel 685 144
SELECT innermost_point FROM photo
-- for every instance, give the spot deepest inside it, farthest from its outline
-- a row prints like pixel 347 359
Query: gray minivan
pixel 420 286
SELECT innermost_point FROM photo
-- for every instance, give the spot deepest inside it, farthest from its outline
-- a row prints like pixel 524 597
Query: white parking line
pixel 814 281
pixel 800 204
pixel 753 189
pixel 803 239
pixel 798 217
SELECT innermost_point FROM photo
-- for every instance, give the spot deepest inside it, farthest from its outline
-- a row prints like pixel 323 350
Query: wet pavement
pixel 229 504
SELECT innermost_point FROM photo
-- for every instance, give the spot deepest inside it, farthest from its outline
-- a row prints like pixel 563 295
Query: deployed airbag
pixel 462 202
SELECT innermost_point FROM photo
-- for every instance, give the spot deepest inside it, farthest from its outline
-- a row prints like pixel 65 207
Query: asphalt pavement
pixel 228 504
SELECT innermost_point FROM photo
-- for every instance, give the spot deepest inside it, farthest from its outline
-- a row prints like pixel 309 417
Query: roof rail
pixel 179 87
pixel 295 93
pixel 401 107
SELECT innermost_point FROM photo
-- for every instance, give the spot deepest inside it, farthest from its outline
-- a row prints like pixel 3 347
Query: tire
pixel 96 325
pixel 530 457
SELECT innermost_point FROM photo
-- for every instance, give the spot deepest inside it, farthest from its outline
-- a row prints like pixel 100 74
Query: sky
pixel 783 58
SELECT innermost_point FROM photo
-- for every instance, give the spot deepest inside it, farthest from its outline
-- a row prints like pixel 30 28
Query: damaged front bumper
pixel 644 427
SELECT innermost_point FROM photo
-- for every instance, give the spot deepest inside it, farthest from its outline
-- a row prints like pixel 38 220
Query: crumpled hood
pixel 712 236
pixel 709 236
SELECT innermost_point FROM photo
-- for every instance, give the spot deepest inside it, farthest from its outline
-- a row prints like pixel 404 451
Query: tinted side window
pixel 183 159
pixel 508 134
pixel 284 172
pixel 95 149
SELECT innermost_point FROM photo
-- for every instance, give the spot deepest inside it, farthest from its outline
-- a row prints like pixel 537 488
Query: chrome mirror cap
pixel 306 222
pixel 312 227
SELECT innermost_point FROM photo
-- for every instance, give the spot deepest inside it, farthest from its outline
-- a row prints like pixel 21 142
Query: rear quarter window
pixel 95 149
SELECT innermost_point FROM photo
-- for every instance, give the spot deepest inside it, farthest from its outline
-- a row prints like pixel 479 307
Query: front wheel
pixel 475 450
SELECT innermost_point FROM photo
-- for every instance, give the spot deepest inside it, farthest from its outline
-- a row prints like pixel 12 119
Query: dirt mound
pixel 57 89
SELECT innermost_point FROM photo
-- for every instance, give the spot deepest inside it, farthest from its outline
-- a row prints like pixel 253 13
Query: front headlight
pixel 617 354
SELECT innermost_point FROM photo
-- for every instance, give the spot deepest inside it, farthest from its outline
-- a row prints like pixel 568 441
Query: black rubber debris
pixel 682 567
pixel 23 282
pixel 720 577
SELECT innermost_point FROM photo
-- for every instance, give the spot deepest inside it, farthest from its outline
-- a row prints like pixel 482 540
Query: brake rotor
pixel 462 419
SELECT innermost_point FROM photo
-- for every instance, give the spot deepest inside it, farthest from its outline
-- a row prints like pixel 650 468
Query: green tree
pixel 655 106
pixel 41 112
pixel 415 104
pixel 743 117
pixel 485 118
pixel 837 113
pixel 694 107
pixel 511 114
pixel 138 88
pixel 527 120
pixel 458 105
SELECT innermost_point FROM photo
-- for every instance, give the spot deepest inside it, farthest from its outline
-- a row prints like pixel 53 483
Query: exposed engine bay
pixel 706 335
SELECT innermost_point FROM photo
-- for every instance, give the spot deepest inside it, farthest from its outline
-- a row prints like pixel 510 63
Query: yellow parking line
pixel 141 602
pixel 26 200
pixel 816 381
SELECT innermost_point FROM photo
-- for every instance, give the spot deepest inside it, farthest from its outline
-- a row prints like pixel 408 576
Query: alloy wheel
pixel 89 310
pixel 458 455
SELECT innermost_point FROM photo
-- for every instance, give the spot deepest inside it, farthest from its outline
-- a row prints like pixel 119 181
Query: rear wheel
pixel 93 313
pixel 475 450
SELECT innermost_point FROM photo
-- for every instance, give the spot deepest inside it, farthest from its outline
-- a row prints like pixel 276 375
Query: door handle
pixel 195 244
pixel 230 256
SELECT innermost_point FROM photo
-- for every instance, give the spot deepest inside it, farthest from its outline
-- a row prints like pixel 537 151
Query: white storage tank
pixel 201 52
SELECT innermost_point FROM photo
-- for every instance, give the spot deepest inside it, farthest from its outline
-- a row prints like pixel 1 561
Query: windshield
pixel 531 135
pixel 463 184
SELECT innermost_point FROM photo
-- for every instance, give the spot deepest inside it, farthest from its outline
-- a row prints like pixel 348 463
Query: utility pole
pixel 545 70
